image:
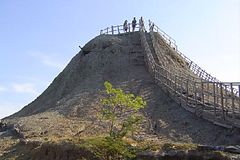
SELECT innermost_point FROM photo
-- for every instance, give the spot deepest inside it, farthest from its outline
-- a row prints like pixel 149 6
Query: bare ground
pixel 70 104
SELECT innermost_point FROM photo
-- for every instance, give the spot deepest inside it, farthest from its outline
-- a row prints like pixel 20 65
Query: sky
pixel 39 38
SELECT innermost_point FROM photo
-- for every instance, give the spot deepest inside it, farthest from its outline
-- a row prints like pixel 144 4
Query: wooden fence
pixel 118 29
pixel 201 93
pixel 193 66
pixel 204 95
pixel 172 43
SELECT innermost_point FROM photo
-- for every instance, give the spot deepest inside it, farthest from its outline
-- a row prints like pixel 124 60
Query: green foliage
pixel 110 149
pixel 121 107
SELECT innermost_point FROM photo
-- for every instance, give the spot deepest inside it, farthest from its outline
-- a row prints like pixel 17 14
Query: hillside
pixel 69 106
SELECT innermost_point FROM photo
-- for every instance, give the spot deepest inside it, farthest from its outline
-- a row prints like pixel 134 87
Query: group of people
pixel 134 23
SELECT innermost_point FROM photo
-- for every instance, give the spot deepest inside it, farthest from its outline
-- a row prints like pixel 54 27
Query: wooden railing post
pixel 239 98
pixel 222 100
pixel 239 91
pixel 118 29
pixel 217 93
pixel 107 30
pixel 194 68
pixel 214 99
pixel 190 64
pixel 232 96
pixel 208 92
pixel 195 95
pixel 200 75
pixel 226 99
pixel 202 94
pixel 197 71
pixel 112 30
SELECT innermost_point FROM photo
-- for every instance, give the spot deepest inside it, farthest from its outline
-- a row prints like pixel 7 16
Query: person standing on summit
pixel 134 22
pixel 125 27
pixel 141 24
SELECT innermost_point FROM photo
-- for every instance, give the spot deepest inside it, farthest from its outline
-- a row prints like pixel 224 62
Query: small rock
pixel 17 132
pixel 172 153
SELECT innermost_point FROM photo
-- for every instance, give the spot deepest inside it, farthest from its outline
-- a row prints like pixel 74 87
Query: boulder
pixel 17 132
pixel 23 141
pixel 3 126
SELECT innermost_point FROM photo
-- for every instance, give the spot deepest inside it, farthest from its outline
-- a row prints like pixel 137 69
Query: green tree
pixel 121 108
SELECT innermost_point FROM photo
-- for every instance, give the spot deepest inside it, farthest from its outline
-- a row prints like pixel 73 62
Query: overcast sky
pixel 39 38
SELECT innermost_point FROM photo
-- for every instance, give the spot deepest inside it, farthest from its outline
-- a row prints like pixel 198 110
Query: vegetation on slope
pixel 121 107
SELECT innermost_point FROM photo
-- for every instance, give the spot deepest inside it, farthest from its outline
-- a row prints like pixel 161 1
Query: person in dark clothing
pixel 125 27
pixel 134 22
pixel 152 27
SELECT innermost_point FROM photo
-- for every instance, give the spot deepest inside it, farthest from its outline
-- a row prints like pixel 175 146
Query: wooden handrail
pixel 172 43
pixel 197 70
pixel 219 101
pixel 218 104
pixel 118 29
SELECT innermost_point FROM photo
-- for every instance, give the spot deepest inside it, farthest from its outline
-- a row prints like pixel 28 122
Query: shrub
pixel 118 106
pixel 109 148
